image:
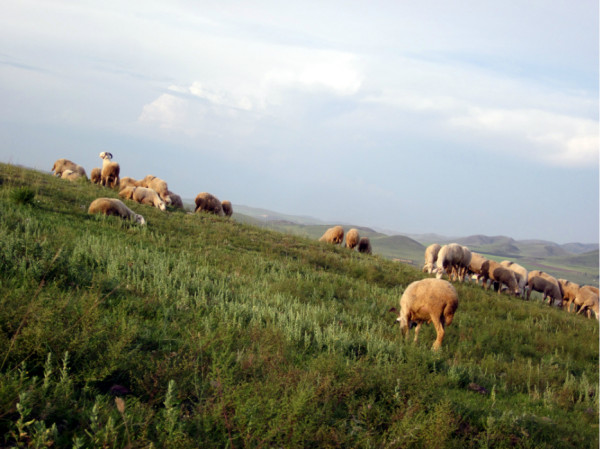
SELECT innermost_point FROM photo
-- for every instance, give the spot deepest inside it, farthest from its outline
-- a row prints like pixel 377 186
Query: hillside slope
pixel 198 331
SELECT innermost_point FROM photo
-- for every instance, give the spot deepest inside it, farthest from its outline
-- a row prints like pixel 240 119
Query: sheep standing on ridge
pixel 364 246
pixel 206 202
pixel 65 164
pixel 333 235
pixel 113 206
pixel 352 238
pixel 149 197
pixel 427 301
pixel 96 175
pixel 109 176
pixel 431 255
pixel 227 208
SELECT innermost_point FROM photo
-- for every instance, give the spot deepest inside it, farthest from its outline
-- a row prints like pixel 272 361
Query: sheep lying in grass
pixel 227 208
pixel 96 175
pixel 71 175
pixel 160 186
pixel 333 235
pixel 352 238
pixel 546 287
pixel 521 274
pixel 569 293
pixel 427 301
pixel 147 196
pixel 109 175
pixel 127 192
pixel 127 181
pixel 431 255
pixel 587 300
pixel 112 206
pixel 364 245
pixel 206 202
pixel 65 164
pixel 449 261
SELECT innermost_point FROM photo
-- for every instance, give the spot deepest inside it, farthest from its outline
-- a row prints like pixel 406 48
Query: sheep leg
pixel 417 329
pixel 439 328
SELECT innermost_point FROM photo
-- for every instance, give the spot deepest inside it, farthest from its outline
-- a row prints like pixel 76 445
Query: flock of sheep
pixel 151 191
pixel 335 235
pixel 459 263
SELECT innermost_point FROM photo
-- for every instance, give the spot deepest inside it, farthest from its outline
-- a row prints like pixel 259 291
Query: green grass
pixel 224 334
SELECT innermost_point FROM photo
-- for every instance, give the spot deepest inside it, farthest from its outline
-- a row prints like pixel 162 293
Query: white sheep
pixel 427 301
pixel 113 206
pixel 71 175
pixel 147 196
pixel 464 263
pixel 110 170
pixel 449 259
pixel 431 255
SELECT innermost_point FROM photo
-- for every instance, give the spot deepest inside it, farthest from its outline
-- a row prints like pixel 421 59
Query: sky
pixel 456 118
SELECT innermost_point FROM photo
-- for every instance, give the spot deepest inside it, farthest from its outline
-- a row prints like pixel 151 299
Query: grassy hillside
pixel 197 331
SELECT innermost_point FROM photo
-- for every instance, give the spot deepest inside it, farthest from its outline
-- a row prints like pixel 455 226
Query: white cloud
pixel 167 111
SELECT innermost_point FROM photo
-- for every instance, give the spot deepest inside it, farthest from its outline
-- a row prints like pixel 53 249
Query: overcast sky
pixel 453 117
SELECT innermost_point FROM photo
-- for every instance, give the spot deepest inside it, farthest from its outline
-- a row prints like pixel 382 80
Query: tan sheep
pixel 364 245
pixel 549 278
pixel 427 301
pixel 476 265
pixel 71 175
pixel 127 181
pixel 546 287
pixel 65 164
pixel 431 255
pixel 586 300
pixel 449 261
pixel 227 208
pixel 521 274
pixel 127 192
pixel 206 202
pixel 96 175
pixel 113 206
pixel 569 293
pixel 352 238
pixel 149 197
pixel 333 235
pixel 497 274
pixel 160 186
pixel 109 176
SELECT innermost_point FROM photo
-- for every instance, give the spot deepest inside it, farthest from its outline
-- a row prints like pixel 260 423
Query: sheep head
pixel 106 155
pixel 139 219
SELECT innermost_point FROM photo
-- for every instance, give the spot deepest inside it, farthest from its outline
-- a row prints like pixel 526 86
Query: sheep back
pixel 352 238
pixel 206 202
pixel 333 235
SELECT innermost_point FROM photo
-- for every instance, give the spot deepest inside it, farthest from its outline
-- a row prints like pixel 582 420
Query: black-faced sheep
pixel 449 260
pixel 113 206
pixel 546 287
pixel 206 202
pixel 521 274
pixel 569 292
pixel 431 255
pixel 333 235
pixel 364 246
pixel 352 238
pixel 586 300
pixel 227 208
pixel 109 176
pixel 149 197
pixel 497 274
pixel 71 175
pixel 64 164
pixel 427 301
pixel 96 175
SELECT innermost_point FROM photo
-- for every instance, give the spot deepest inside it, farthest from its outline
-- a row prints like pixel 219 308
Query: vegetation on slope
pixel 197 331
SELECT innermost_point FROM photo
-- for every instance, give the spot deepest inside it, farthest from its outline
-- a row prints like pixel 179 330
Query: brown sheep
pixel 206 202
pixel 569 293
pixel 96 175
pixel 521 274
pixel 476 264
pixel 227 208
pixel 147 196
pixel 497 274
pixel 586 300
pixel 548 277
pixel 113 206
pixel 109 176
pixel 546 287
pixel 364 245
pixel 333 235
pixel 431 255
pixel 352 238
pixel 449 261
pixel 427 301
pixel 65 164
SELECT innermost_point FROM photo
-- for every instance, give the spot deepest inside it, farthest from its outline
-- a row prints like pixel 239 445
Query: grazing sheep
pixel 352 238
pixel 227 208
pixel 497 274
pixel 569 293
pixel 65 164
pixel 147 196
pixel 475 266
pixel 449 260
pixel 176 200
pixel 109 176
pixel 464 264
pixel 425 301
pixel 521 274
pixel 127 192
pixel 112 206
pixel 549 278
pixel 205 202
pixel 71 175
pixel 431 255
pixel 586 300
pixel 96 175
pixel 333 235
pixel 160 187
pixel 364 246
pixel 127 181
pixel 546 287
